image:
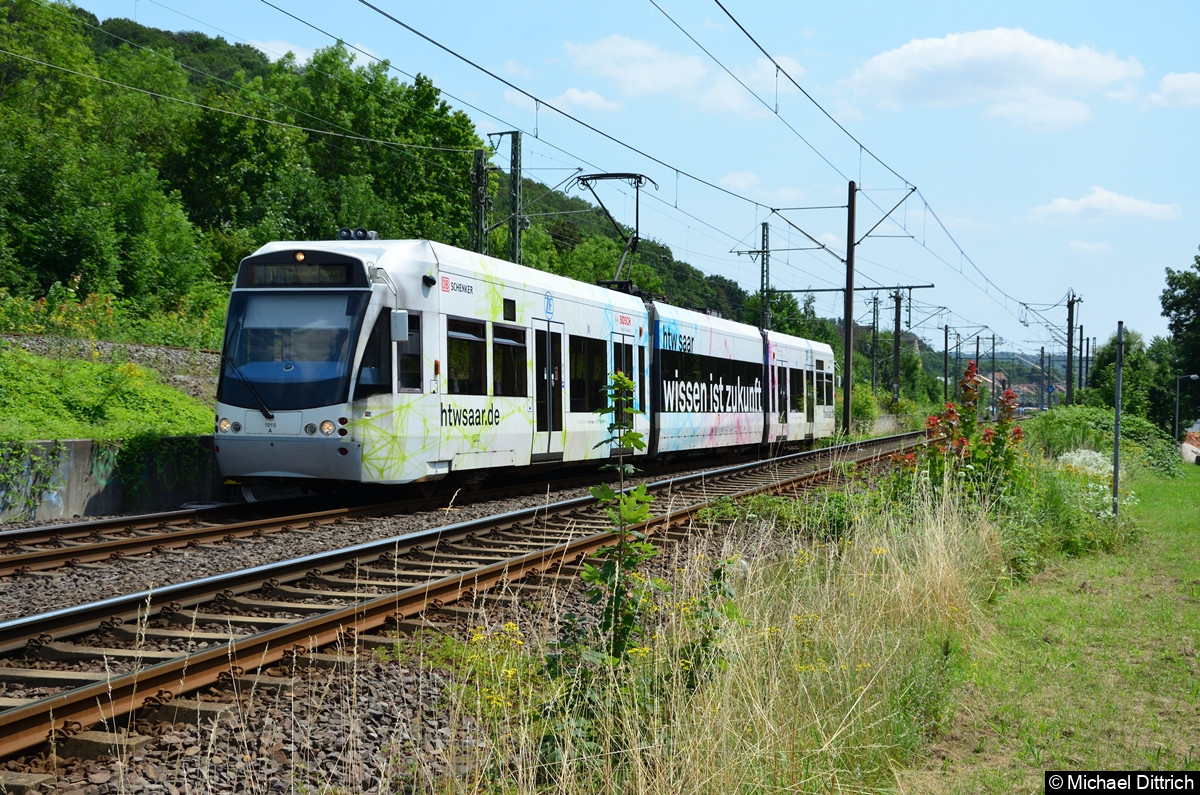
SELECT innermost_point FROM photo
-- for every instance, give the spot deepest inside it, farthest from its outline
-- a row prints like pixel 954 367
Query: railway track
pixel 111 661
pixel 47 547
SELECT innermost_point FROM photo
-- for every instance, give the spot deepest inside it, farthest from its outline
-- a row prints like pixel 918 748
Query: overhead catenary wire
pixel 540 102
pixel 988 285
pixel 987 281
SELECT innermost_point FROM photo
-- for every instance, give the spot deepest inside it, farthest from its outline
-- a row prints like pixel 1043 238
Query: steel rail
pixel 26 726
pixel 112 538
pixel 83 618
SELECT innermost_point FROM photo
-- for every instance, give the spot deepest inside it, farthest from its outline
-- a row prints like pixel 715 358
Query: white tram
pixel 399 361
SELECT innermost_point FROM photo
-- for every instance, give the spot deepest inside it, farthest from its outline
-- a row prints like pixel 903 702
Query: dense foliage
pixel 138 166
pixel 1093 428
pixel 1181 307
pixel 83 399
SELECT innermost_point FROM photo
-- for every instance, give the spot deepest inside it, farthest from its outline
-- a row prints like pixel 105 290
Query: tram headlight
pixel 223 425
pixel 327 427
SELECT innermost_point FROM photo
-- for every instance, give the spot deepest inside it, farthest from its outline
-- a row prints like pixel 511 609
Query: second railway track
pixel 76 667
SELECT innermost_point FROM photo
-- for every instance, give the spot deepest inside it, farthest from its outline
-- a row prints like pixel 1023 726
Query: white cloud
pixel 1017 76
pixel 740 181
pixel 588 100
pixel 517 70
pixel 1101 203
pixel 518 100
pixel 1084 247
pixel 1041 113
pixel 764 77
pixel 639 68
pixel 1177 90
pixel 833 241
pixel 747 182
pixel 277 48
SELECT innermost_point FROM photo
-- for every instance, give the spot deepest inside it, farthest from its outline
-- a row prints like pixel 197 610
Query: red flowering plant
pixel 978 459
pixel 1001 444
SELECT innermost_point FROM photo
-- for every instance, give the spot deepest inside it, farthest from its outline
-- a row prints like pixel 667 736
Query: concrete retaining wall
pixel 79 477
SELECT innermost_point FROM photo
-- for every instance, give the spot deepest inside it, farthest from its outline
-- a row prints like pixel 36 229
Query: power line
pixel 988 283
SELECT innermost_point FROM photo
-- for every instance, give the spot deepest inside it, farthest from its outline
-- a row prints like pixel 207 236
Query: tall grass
pixel 838 666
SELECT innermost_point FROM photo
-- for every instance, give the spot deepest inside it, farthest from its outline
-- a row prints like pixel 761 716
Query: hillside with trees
pixel 138 166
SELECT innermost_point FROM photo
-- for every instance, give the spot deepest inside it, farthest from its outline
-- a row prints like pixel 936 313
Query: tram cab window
pixel 466 348
pixel 408 356
pixel 510 375
pixel 374 374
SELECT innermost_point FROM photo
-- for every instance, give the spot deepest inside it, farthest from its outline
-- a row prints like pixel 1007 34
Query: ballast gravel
pixel 383 724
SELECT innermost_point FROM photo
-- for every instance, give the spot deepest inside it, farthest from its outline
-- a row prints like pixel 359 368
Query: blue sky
pixel 1053 146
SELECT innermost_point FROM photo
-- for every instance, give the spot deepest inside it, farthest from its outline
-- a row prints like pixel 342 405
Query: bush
pixel 73 398
pixel 863 410
pixel 195 321
pixel 1069 428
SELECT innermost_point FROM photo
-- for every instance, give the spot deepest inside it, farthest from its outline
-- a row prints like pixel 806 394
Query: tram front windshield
pixel 290 350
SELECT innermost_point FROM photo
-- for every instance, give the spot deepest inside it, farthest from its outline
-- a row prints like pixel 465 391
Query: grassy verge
pixel 838 664
pixel 74 398
pixel 1093 665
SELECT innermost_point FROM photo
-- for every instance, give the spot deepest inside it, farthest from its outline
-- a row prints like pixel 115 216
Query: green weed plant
pixel 613 660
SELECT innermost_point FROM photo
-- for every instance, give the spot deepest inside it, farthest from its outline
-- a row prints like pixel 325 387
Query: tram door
pixel 548 390
pixel 622 361
pixel 781 391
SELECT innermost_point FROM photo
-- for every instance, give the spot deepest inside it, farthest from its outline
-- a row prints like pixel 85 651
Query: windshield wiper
pixel 262 404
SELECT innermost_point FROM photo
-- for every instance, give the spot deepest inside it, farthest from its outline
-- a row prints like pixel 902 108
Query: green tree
pixel 1181 307
pixel 417 150
pixel 48 74
pixel 1138 376
pixel 145 124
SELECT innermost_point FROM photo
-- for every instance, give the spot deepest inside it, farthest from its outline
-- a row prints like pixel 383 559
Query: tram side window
pixel 641 382
pixel 828 389
pixel 408 356
pixel 374 374
pixel 466 348
pixel 820 378
pixel 509 371
pixel 589 373
pixel 796 379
